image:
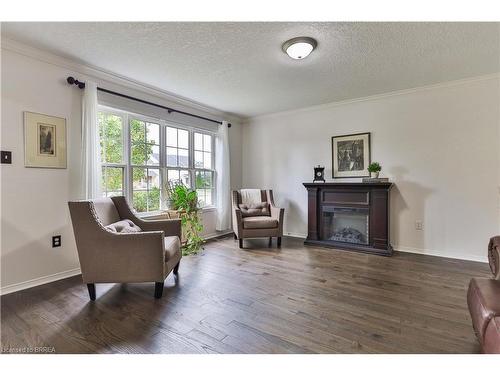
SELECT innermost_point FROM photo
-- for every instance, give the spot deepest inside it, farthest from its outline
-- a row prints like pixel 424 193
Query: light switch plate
pixel 6 157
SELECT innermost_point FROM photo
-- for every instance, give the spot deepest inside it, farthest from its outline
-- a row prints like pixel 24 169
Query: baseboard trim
pixel 433 253
pixel 414 250
pixel 212 236
pixel 39 281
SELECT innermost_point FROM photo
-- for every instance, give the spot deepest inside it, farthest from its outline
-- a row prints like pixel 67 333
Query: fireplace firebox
pixel 353 216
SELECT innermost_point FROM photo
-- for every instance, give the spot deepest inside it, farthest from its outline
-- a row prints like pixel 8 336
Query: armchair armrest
pixel 278 214
pixel 237 221
pixel 124 257
pixel 171 227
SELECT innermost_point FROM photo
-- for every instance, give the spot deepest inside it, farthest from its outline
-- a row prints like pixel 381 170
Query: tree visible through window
pixel 139 156
pixel 145 151
pixel 111 142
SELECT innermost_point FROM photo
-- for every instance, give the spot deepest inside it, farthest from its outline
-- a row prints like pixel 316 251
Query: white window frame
pixel 125 156
pixel 162 167
pixel 212 162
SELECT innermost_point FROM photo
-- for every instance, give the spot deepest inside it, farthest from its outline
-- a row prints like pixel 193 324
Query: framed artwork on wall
pixel 350 155
pixel 44 141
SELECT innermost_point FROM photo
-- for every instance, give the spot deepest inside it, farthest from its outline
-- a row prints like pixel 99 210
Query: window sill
pixel 152 214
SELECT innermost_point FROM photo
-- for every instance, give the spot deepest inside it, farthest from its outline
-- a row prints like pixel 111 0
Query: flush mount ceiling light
pixel 300 47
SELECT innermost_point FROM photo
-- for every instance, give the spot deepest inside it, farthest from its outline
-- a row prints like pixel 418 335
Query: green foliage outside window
pixel 142 199
pixel 111 136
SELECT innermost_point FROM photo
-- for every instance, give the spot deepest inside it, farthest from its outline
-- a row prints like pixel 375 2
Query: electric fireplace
pixel 352 216
pixel 346 224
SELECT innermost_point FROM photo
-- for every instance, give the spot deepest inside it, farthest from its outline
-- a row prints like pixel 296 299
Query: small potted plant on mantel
pixel 374 169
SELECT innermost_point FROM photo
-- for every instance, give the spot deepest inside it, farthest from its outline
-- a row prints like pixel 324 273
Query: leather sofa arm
pixel 494 256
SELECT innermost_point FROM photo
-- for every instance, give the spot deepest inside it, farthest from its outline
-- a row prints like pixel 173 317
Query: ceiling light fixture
pixel 300 47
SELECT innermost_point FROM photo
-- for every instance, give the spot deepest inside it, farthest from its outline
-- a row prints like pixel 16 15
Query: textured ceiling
pixel 240 68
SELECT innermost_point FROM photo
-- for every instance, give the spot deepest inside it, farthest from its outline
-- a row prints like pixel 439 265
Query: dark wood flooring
pixel 295 299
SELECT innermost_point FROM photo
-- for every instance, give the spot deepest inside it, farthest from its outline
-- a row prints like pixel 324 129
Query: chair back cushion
pixel 238 199
pixel 106 211
pixel 255 209
pixel 123 226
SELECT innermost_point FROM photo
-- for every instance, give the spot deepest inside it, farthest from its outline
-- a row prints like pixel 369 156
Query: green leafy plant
pixel 374 167
pixel 185 201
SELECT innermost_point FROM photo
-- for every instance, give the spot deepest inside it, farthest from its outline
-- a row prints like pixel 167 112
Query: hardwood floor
pixel 295 299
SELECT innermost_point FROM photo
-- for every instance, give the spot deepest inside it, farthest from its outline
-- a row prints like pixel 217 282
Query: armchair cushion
pixel 255 209
pixel 123 226
pixel 172 247
pixel 259 222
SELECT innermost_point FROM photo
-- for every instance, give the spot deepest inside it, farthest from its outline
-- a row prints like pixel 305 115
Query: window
pixel 177 152
pixel 145 162
pixel 112 155
pixel 139 155
pixel 203 164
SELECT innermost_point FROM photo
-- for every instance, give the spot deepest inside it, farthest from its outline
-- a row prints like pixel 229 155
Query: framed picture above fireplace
pixel 351 155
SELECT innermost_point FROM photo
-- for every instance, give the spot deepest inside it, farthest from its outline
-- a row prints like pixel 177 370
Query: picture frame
pixel 351 155
pixel 44 141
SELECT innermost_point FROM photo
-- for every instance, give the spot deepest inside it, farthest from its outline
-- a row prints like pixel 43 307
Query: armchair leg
pixel 279 241
pixel 158 290
pixel 235 236
pixel 270 241
pixel 176 268
pixel 241 243
pixel 91 288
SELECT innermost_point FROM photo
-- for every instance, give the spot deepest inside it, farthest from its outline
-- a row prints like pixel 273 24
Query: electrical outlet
pixel 419 225
pixel 56 241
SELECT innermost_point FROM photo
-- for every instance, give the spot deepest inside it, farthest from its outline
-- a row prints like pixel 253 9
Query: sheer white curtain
pixel 91 153
pixel 223 178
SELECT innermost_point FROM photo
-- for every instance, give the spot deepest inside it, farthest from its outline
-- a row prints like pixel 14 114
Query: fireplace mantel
pixel 349 215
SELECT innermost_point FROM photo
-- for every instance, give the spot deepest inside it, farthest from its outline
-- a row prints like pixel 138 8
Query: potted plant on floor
pixel 374 169
pixel 185 201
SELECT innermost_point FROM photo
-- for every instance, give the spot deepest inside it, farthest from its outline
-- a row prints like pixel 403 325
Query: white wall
pixel 34 200
pixel 439 145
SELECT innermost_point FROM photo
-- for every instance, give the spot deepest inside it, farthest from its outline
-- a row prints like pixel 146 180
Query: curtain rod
pixel 81 85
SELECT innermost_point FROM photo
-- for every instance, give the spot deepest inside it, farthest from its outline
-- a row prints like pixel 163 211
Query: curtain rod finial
pixel 73 81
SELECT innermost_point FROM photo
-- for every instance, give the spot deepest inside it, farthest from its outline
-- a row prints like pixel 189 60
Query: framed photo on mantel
pixel 351 155
pixel 44 141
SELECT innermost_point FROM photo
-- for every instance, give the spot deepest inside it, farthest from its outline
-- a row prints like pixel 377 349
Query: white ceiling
pixel 240 68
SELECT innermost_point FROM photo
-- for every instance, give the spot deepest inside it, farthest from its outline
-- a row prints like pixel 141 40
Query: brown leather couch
pixel 115 246
pixel 483 298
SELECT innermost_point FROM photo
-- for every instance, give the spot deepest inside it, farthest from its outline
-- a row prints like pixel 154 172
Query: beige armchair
pixel 254 220
pixel 115 246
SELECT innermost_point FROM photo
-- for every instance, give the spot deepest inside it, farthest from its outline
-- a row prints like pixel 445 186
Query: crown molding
pixel 321 107
pixel 94 72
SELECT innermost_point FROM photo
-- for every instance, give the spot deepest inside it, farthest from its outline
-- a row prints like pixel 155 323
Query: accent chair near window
pixel 255 215
pixel 115 246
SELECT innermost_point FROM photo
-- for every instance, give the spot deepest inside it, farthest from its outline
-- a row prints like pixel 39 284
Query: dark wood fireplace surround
pixel 322 197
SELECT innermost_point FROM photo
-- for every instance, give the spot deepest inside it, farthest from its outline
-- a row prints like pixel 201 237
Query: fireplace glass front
pixel 344 224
